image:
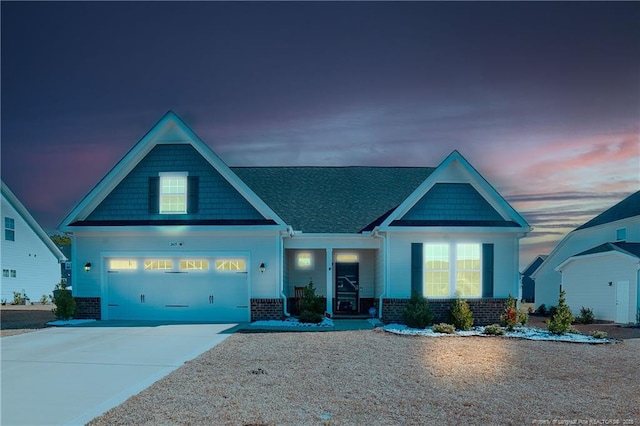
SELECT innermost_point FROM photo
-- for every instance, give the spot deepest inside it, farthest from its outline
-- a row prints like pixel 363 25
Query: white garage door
pixel 178 289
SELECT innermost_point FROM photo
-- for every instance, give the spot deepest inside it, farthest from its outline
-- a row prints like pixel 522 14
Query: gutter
pixel 376 234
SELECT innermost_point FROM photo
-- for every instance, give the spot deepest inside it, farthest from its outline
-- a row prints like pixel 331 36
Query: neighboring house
pixel 528 284
pixel 30 260
pixel 173 233
pixel 605 279
pixel 618 224
pixel 65 267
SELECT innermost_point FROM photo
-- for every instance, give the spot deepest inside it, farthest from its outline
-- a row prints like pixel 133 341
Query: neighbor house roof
pixel 628 207
pixel 332 199
pixel 31 222
pixel 535 264
pixel 632 249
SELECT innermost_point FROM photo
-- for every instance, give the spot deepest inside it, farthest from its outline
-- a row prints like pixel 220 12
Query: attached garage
pixel 170 288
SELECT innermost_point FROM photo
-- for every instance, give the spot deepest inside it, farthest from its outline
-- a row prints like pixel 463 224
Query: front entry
pixel 347 288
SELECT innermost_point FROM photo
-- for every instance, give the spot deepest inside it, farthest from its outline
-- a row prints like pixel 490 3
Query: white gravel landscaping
pixel 529 333
pixel 293 322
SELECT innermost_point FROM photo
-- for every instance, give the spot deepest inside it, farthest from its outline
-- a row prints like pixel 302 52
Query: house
pixel 173 233
pixel 30 260
pixel 605 279
pixel 528 284
pixel 600 243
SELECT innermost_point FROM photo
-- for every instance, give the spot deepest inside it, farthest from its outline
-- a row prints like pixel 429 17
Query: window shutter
pixel 154 194
pixel 487 270
pixel 193 191
pixel 416 268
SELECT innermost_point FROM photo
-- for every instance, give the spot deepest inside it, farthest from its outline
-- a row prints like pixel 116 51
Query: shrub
pixel 417 313
pixel 460 314
pixel 311 305
pixel 444 328
pixel 598 334
pixel 19 298
pixel 64 301
pixel 542 309
pixel 560 322
pixel 44 299
pixel 494 330
pixel 586 316
pixel 510 317
pixel 523 317
pixel 552 310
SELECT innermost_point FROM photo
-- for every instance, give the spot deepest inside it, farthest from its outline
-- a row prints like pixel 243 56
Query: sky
pixel 542 98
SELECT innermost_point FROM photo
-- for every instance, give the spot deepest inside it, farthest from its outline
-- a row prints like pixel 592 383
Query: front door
pixel 622 302
pixel 347 287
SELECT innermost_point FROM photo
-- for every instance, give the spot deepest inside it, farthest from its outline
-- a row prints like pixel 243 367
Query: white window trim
pixel 184 175
pixel 11 229
pixel 453 269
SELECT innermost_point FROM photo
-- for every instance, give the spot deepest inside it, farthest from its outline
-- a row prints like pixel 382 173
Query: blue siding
pixel 452 202
pixel 217 198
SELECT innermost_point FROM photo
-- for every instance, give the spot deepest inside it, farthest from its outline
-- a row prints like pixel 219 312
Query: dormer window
pixel 621 234
pixel 173 193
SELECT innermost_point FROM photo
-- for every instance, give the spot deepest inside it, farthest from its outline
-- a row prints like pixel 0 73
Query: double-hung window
pixel 9 229
pixel 173 193
pixel 452 269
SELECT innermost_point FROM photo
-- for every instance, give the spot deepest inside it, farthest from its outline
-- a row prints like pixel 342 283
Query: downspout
pixel 289 234
pixel 376 234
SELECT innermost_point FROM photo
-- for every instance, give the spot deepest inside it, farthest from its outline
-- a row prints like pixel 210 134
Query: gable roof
pixel 628 207
pixel 481 204
pixel 169 130
pixel 332 199
pixel 631 250
pixel 11 198
pixel 535 264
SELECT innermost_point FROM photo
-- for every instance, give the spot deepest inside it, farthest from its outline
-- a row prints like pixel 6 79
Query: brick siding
pixel 267 309
pixel 485 311
pixel 88 308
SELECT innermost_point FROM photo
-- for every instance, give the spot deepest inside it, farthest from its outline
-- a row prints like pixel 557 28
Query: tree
pixel 560 322
pixel 61 240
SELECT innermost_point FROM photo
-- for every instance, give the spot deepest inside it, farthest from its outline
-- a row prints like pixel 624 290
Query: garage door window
pixel 234 265
pixel 123 264
pixel 194 265
pixel 158 264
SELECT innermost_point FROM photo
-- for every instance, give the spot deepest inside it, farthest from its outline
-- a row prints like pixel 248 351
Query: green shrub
pixel 444 328
pixel 510 317
pixel 523 317
pixel 64 301
pixel 417 313
pixel 598 334
pixel 19 298
pixel 542 309
pixel 311 305
pixel 44 299
pixel 460 314
pixel 494 330
pixel 586 316
pixel 553 310
pixel 560 322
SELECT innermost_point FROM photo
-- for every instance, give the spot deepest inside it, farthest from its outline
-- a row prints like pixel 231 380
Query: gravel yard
pixel 378 378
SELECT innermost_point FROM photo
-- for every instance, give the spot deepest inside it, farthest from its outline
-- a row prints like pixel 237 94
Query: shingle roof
pixel 627 248
pixel 332 199
pixel 628 207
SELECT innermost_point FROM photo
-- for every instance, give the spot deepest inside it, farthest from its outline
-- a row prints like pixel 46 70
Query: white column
pixel 329 283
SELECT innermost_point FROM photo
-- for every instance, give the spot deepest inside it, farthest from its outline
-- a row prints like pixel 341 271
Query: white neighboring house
pixel 604 279
pixel 584 246
pixel 30 260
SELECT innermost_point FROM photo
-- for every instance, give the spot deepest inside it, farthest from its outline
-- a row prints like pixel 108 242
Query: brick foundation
pixel 88 308
pixel 485 311
pixel 267 309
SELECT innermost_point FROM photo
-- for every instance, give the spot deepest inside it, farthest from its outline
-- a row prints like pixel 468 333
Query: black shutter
pixel 416 268
pixel 154 194
pixel 193 191
pixel 487 270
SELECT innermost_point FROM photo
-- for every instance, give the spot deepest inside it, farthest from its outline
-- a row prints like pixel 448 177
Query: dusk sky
pixel 542 98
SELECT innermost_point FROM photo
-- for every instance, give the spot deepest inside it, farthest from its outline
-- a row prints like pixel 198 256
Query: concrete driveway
pixel 69 375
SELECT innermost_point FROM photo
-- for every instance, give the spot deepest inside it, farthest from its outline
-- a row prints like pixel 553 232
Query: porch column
pixel 329 283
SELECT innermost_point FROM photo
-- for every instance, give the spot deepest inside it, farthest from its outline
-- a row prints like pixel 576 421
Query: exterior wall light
pixel 87 266
pixel 262 268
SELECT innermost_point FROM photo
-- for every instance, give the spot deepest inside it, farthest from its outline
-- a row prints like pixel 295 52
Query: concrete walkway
pixel 69 375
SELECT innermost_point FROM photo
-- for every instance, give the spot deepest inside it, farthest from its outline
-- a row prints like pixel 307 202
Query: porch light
pixel 262 268
pixel 87 266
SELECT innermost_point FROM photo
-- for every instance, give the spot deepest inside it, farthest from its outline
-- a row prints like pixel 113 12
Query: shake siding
pixel 586 281
pixel 37 269
pixel 259 248
pixel 217 199
pixel 548 280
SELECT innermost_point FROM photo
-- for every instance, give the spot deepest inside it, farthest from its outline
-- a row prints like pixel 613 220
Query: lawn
pixel 378 378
